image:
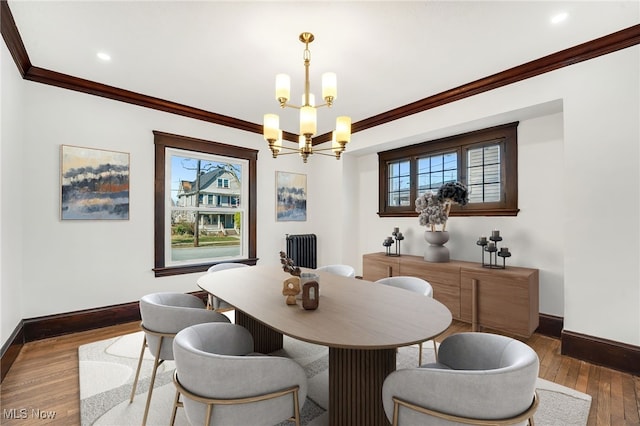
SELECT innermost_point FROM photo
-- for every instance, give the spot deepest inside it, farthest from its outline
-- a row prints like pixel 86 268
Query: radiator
pixel 302 250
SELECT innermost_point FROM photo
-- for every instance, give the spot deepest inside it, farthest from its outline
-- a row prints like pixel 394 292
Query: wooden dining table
pixel 361 322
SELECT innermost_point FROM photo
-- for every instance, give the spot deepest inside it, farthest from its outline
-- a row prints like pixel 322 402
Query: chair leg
pixel 135 381
pixel 435 349
pixel 176 405
pixel 156 364
pixel 207 419
pixel 210 301
pixel 396 409
pixel 296 408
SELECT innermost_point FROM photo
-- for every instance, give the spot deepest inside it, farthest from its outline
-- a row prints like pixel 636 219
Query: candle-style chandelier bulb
pixel 283 89
pixel 271 126
pixel 329 88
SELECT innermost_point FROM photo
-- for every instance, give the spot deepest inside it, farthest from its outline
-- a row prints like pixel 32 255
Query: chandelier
pixel 308 113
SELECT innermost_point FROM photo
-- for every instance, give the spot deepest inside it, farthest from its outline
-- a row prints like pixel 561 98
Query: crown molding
pixel 592 49
pixel 13 40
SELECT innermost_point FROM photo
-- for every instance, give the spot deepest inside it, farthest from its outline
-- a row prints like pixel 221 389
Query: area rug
pixel 107 369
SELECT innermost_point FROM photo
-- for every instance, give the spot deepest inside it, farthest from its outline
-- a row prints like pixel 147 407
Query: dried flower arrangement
pixel 288 265
pixel 434 207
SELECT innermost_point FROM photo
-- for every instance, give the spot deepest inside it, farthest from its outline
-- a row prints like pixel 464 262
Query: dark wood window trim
pixel 166 140
pixel 506 133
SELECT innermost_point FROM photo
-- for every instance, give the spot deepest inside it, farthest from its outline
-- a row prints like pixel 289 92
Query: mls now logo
pixel 15 413
pixel 23 413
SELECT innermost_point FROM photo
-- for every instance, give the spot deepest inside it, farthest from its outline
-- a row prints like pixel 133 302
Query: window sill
pixel 190 269
pixel 483 212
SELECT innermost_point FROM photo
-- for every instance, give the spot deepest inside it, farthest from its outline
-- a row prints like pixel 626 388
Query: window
pixel 195 223
pixel 483 173
pixel 399 180
pixel 485 160
pixel 434 170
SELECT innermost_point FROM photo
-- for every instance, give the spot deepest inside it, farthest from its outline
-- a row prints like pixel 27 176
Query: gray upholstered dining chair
pixel 338 269
pixel 416 285
pixel 220 381
pixel 213 302
pixel 480 379
pixel 163 315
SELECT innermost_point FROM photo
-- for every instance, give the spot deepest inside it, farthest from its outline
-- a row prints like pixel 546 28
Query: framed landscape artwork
pixel 291 197
pixel 94 184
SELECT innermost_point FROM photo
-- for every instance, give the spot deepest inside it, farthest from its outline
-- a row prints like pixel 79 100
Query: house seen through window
pixel 210 229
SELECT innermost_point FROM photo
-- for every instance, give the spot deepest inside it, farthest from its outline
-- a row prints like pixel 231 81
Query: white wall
pixel 11 111
pixel 579 188
pixel 72 265
pixel 581 121
pixel 324 176
pixel 84 264
pixel 539 142
pixel 602 150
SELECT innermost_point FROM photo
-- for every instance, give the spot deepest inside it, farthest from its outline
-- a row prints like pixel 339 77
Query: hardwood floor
pixel 44 380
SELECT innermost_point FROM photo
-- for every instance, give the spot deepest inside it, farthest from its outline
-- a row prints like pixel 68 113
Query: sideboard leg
pixel 474 305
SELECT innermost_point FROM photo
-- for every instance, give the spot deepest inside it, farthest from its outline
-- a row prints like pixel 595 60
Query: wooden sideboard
pixel 500 299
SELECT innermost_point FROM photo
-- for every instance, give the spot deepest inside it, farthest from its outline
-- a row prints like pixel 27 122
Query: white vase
pixel 436 251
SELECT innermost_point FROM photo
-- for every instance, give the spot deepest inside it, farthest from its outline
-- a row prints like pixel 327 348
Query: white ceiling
pixel 223 56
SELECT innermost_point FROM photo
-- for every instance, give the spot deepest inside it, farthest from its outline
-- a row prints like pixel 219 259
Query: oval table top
pixel 352 313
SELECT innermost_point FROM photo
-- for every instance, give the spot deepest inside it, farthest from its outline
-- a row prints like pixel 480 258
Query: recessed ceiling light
pixel 103 56
pixel 556 19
